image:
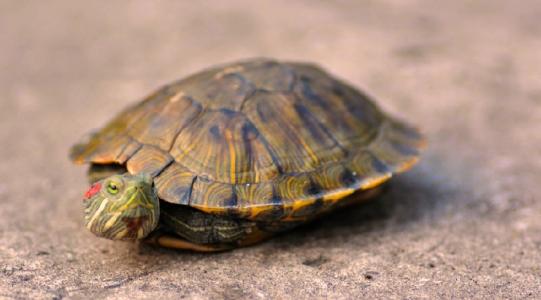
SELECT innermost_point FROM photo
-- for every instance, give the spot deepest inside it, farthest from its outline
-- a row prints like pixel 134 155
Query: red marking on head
pixel 93 190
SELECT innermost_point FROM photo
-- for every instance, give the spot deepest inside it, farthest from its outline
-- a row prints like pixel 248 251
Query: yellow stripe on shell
pixel 407 165
pixel 232 155
pixel 310 152
pixel 373 182
pixel 185 152
pixel 333 196
pixel 256 210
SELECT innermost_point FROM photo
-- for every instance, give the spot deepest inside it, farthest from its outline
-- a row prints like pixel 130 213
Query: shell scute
pixel 212 196
pixel 175 184
pixel 150 160
pixel 162 122
pixel 224 146
pixel 298 142
pixel 353 122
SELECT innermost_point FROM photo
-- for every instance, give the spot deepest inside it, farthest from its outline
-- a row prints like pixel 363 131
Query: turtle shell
pixel 257 139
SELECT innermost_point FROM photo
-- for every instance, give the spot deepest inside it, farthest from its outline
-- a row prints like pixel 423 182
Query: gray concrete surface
pixel 465 223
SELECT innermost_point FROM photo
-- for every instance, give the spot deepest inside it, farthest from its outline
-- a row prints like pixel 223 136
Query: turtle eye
pixel 113 188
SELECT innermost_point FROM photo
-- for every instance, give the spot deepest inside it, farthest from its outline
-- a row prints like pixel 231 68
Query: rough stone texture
pixel 465 223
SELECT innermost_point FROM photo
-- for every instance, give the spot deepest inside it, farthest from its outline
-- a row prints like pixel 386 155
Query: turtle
pixel 237 153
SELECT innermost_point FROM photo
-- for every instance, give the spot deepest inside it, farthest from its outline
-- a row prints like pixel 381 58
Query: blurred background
pixel 464 223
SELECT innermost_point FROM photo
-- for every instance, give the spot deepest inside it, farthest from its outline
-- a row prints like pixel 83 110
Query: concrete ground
pixel 465 223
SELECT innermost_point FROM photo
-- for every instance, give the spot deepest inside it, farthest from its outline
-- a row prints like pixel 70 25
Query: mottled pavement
pixel 466 222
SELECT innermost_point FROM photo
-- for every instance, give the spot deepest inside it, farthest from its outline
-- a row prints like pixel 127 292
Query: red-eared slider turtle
pixel 233 154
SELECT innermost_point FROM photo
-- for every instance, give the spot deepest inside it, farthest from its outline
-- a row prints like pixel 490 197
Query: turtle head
pixel 122 207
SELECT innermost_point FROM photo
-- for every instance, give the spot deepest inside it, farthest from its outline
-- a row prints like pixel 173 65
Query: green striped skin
pixel 122 207
pixel 201 228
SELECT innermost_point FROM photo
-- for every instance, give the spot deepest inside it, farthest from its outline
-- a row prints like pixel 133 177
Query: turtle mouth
pixel 135 228
pixel 137 217
pixel 135 224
